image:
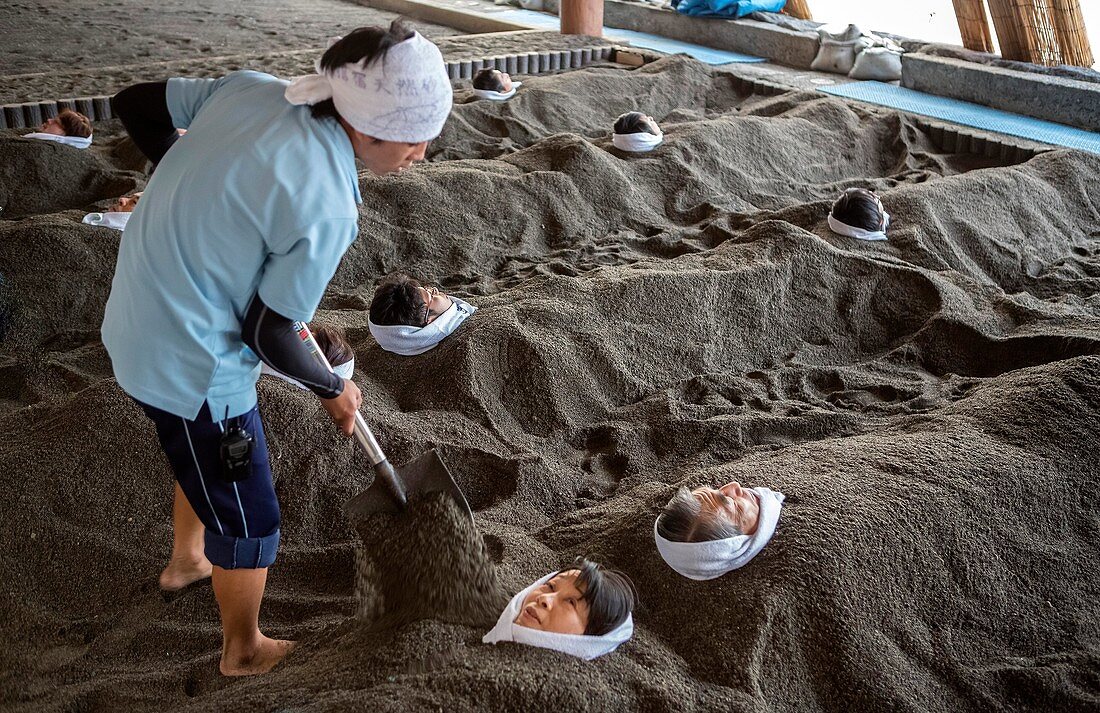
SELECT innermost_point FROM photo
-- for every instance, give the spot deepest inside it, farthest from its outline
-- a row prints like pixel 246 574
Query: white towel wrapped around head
pixel 79 142
pixel 344 371
pixel 498 96
pixel 637 142
pixel 579 645
pixel 403 96
pixel 407 340
pixel 110 219
pixel 851 231
pixel 707 560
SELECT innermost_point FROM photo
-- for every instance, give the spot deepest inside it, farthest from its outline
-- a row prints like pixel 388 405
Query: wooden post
pixel 799 9
pixel 1069 28
pixel 582 17
pixel 973 26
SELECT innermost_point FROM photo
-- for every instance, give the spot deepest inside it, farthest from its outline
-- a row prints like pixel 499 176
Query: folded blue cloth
pixel 727 8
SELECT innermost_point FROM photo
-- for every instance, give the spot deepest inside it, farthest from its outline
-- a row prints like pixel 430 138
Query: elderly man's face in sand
pixel 505 80
pixel 556 606
pixel 733 502
pixel 52 126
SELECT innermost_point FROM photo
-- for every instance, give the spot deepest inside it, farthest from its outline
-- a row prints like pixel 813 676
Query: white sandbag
pixel 838 49
pixel 878 63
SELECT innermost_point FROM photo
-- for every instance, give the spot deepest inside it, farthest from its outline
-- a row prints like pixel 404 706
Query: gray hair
pixel 683 520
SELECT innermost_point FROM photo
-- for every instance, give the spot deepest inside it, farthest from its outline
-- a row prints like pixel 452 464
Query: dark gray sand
pixel 117 32
pixel 929 405
pixel 64 82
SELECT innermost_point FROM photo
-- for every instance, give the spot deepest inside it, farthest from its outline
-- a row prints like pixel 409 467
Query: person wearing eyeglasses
pixel 409 318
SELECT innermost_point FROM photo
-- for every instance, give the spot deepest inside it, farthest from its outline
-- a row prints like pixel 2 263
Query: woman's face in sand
pixel 52 126
pixel 437 302
pixel 556 606
pixel 739 505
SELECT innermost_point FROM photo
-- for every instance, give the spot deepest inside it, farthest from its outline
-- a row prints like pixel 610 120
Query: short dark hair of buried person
pixel 635 122
pixel 610 595
pixel 366 44
pixel 859 208
pixel 401 300
pixel 492 80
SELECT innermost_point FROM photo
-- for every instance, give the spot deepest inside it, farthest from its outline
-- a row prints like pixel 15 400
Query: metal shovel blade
pixel 393 487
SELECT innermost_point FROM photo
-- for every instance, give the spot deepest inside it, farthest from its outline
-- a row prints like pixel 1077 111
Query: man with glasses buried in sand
pixel 408 318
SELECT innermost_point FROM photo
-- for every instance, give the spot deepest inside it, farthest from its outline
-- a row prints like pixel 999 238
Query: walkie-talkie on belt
pixel 236 450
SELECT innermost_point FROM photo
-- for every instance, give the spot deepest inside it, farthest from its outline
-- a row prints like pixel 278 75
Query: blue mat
pixel 967 114
pixel 708 55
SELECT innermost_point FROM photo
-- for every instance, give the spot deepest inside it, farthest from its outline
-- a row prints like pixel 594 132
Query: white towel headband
pixel 707 560
pixel 498 96
pixel 637 142
pixel 409 341
pixel 79 142
pixel 109 219
pixel 852 231
pixel 402 96
pixel 580 645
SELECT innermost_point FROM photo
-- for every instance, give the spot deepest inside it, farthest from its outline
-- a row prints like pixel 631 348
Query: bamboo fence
pixel 1041 31
pixel 799 9
pixel 973 25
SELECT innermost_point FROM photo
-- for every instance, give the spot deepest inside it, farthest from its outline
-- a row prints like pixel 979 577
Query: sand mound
pixel 43 176
pixel 929 405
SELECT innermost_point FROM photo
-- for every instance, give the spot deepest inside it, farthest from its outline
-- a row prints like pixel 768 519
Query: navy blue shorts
pixel 241 518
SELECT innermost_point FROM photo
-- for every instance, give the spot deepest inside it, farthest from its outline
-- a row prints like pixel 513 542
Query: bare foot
pixel 179 573
pixel 260 659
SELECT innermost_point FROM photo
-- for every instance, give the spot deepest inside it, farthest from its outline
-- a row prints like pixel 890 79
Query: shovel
pixel 392 487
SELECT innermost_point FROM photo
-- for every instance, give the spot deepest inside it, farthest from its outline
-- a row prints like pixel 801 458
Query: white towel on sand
pixel 78 142
pixel 498 96
pixel 344 371
pixel 404 96
pixel 707 560
pixel 638 142
pixel 579 645
pixel 409 341
pixel 110 219
pixel 852 231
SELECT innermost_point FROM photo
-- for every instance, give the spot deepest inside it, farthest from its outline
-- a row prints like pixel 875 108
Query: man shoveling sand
pixel 235 239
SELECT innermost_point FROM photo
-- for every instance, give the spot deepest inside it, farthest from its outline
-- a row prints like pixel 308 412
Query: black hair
pixel 635 122
pixel 398 300
pixel 73 123
pixel 610 595
pixel 859 208
pixel 489 79
pixel 683 520
pixel 366 44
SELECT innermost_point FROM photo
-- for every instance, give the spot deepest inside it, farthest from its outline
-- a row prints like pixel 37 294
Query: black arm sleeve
pixel 274 339
pixel 143 110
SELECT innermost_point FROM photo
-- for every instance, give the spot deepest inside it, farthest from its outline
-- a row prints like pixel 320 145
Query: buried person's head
pixel 409 318
pixel 706 532
pixel 858 213
pixel 492 80
pixel 68 123
pixel 585 611
pixel 364 82
pixel 125 204
pixel 635 131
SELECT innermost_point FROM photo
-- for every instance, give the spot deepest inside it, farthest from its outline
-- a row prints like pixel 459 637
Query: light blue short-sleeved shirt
pixel 257 197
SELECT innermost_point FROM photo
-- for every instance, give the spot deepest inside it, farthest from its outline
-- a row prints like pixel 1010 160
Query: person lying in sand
pixel 495 85
pixel 117 215
pixel 334 345
pixel 636 132
pixel 858 213
pixel 68 127
pixel 585 611
pixel 408 318
pixel 706 532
